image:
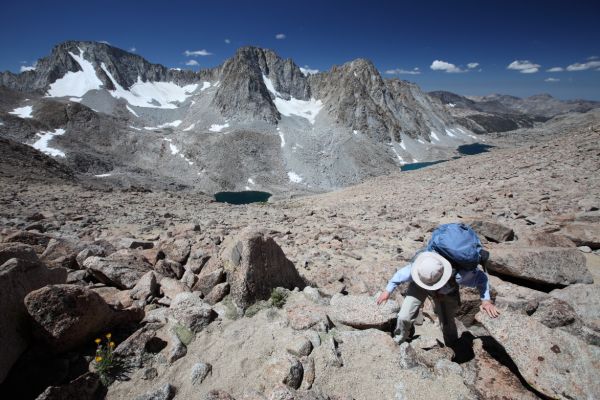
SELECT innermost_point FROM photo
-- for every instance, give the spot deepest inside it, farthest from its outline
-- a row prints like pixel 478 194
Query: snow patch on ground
pixel 135 127
pixel 173 124
pixel 294 177
pixel 205 85
pixel 76 99
pixel 449 133
pixel 189 128
pixel 78 83
pixel 103 175
pixel 282 138
pixel 355 132
pixel 403 145
pixel 303 108
pixel 174 149
pixel 42 143
pixel 151 94
pixel 131 111
pixel 23 112
pixel 308 71
pixel 218 128
pixel 251 181
pixel 451 105
pixel 434 136
pixel 421 141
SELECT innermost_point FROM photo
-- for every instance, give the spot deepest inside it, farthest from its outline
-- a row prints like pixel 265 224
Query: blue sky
pixel 532 36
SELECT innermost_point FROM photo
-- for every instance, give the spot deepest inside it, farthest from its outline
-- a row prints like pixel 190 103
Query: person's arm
pixel 479 279
pixel 402 275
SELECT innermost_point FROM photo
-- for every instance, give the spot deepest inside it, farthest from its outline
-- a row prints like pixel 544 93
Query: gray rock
pixel 165 392
pixel 177 250
pixel 199 372
pixel 189 310
pixel 493 231
pixel 284 369
pixel 408 356
pixel 171 287
pixel 18 277
pixel 585 300
pixel 176 348
pixel 122 269
pixel 169 268
pixel 66 316
pixel 552 266
pixel 555 313
pixel 583 234
pixel 145 288
pixel 255 266
pixel 217 293
pixel 208 279
pixel 82 388
pixel 362 312
pixel 551 361
pixel 131 243
pixel 299 347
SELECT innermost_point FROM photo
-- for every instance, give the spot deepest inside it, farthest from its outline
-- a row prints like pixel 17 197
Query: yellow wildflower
pixel 97 341
pixel 98 359
pixel 108 335
pixel 112 344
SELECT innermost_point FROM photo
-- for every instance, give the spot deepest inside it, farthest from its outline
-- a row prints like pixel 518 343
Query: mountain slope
pixel 307 132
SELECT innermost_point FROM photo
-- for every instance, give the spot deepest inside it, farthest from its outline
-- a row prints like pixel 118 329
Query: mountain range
pixel 256 122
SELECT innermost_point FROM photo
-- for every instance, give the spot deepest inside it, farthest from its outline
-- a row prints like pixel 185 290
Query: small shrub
pixel 104 359
pixel 256 307
pixel 278 297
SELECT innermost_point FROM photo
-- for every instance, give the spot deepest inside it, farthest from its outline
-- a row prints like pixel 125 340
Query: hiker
pixel 438 276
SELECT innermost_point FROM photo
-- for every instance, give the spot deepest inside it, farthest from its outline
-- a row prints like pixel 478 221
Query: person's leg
pixel 445 309
pixel 409 311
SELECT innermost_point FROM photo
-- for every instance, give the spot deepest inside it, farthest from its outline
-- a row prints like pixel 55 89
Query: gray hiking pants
pixel 445 307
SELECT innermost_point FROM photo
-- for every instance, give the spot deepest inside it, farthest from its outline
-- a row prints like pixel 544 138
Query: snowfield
pixel 23 112
pixel 217 127
pixel 78 83
pixel 294 177
pixel 42 143
pixel 303 108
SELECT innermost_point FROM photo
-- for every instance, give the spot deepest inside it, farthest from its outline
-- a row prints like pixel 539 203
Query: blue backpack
pixel 459 244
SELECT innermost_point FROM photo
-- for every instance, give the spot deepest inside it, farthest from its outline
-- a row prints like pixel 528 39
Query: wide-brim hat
pixel 430 270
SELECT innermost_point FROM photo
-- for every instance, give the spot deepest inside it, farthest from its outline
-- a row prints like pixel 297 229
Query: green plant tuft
pixel 278 297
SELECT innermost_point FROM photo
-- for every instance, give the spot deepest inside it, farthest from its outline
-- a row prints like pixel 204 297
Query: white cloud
pixel 551 80
pixel 280 36
pixel 524 66
pixel 439 65
pixel 133 49
pixel 472 65
pixel 192 63
pixel 306 70
pixel 196 53
pixel 399 71
pixel 583 66
pixel 25 68
pixel 227 41
pixel 593 57
pixel 555 69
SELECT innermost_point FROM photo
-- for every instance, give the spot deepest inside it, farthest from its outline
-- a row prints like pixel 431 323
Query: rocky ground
pixel 184 284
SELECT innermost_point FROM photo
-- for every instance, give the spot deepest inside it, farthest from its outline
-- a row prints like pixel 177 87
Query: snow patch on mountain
pixel 434 136
pixel 205 85
pixel 23 112
pixel 131 111
pixel 294 177
pixel 173 124
pixel 189 128
pixel 217 127
pixel 172 147
pixel 303 108
pixel 151 94
pixel 78 83
pixel 44 139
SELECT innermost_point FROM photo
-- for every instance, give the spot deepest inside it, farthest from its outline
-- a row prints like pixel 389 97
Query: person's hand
pixel 383 297
pixel 489 308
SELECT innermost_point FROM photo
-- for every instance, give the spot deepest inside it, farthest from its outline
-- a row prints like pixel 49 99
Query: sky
pixel 480 47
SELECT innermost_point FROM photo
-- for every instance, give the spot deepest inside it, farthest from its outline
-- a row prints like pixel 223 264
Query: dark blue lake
pixel 245 197
pixel 466 149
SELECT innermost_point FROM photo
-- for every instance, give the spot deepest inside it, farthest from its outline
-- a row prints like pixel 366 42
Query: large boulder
pixel 361 312
pixel 177 250
pixel 255 265
pixel 553 362
pixel 583 234
pixel 17 250
pixel 36 240
pixel 62 252
pixel 66 316
pixel 493 231
pixel 585 300
pixel 122 269
pixel 18 277
pixel 189 310
pixel 546 265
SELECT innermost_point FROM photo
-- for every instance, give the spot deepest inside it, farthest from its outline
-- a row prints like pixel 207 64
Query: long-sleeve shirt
pixel 472 278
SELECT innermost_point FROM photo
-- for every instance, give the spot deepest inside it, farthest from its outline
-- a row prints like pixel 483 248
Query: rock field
pixel 187 286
